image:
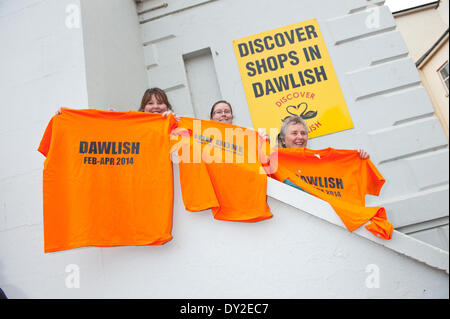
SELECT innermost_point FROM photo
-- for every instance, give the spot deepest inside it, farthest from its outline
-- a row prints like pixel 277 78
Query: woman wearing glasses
pixel 293 133
pixel 221 111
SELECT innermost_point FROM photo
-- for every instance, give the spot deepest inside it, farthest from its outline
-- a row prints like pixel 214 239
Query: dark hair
pixel 160 95
pixel 214 105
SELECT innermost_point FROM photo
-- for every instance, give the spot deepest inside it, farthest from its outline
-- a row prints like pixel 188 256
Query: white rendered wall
pixel 423 28
pixel 42 68
pixel 292 255
pixel 114 55
pixel 392 113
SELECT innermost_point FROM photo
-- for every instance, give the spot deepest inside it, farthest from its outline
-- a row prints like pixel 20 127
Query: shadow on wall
pixel 2 294
pixel 7 290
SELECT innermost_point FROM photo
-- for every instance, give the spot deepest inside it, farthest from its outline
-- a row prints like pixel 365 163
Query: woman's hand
pixel 263 134
pixel 362 153
pixel 166 114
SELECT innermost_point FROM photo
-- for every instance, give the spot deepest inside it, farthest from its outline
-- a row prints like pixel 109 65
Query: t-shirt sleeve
pixel 375 180
pixel 44 146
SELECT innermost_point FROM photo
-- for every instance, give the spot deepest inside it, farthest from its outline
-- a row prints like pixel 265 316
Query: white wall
pixel 292 255
pixel 114 55
pixel 42 68
pixel 392 113
pixel 421 29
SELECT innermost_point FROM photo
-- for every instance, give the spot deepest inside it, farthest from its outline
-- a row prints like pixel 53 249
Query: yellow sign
pixel 287 71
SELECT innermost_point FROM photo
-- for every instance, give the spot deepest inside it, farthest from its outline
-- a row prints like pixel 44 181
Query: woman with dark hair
pixel 154 100
pixel 221 111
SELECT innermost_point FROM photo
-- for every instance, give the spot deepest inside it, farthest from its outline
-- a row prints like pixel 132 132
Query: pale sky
pixel 396 5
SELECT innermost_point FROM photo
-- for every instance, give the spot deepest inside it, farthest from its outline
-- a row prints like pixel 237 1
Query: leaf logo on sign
pixel 295 111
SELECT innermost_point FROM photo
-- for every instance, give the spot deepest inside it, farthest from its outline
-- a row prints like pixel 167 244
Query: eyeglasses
pixel 220 112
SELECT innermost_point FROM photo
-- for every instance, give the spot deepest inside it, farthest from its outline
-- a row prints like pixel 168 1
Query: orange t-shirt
pixel 107 179
pixel 339 177
pixel 221 171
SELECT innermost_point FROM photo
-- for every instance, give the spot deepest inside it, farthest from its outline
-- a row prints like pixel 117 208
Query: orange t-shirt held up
pixel 107 179
pixel 220 169
pixel 339 177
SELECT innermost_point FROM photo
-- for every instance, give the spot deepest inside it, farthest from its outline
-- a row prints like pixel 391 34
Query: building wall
pixel 421 29
pixel 42 68
pixel 114 55
pixel 431 79
pixel 294 254
pixel 392 112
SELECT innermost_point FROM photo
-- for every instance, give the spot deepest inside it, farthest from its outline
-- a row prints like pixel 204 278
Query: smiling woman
pixel 293 133
pixel 221 111
pixel 155 101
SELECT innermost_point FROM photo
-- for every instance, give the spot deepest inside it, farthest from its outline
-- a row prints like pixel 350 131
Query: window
pixel 443 72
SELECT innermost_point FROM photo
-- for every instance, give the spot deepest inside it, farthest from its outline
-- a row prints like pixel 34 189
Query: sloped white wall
pixel 292 255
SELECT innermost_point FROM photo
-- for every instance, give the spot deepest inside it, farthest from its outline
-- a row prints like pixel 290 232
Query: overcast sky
pixel 396 5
